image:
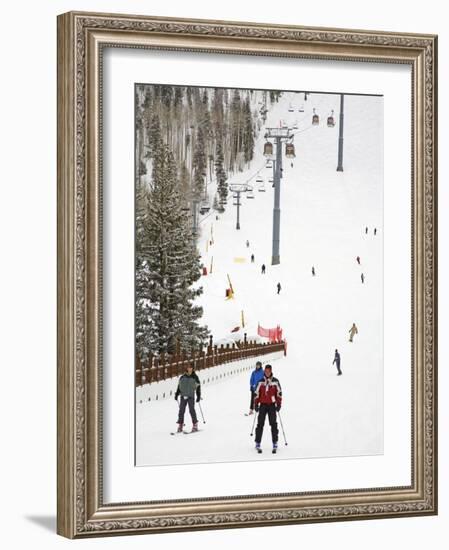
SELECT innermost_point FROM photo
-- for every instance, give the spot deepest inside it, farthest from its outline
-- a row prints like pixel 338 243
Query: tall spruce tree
pixel 248 132
pixel 220 174
pixel 144 307
pixel 170 266
pixel 154 135
pixel 199 164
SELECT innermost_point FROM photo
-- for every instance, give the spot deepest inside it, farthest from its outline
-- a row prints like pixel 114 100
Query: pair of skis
pixel 259 450
pixel 184 432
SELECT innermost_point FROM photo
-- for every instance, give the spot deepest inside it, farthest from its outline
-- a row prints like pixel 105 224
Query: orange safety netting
pixel 273 334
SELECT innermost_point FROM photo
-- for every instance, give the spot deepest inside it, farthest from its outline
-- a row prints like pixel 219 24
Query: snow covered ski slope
pixel 324 214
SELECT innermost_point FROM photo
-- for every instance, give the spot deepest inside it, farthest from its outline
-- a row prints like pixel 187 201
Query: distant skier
pixel 263 269
pixel 291 164
pixel 362 277
pixel 313 271
pixel 252 258
pixel 256 377
pixel 188 385
pixel 358 259
pixel 247 244
pixel 352 332
pixel 267 401
pixel 375 231
pixel 366 230
pixel 337 361
pixel 278 286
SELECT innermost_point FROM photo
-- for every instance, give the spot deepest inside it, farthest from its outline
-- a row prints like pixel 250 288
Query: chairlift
pixel 301 109
pixel 261 188
pixel 269 164
pixel 290 150
pixel 315 119
pixel 268 149
pixel 250 194
pixel 204 209
pixel 259 179
pixel 291 109
pixel 331 120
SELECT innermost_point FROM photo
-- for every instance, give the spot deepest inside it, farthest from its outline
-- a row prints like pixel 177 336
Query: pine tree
pixel 199 165
pixel 144 307
pixel 235 129
pixel 170 267
pixel 248 132
pixel 220 174
pixel 154 135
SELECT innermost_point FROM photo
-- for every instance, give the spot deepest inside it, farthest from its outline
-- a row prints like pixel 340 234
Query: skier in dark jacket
pixel 188 385
pixel 337 362
pixel 256 377
pixel 278 286
pixel 267 401
pixel 263 269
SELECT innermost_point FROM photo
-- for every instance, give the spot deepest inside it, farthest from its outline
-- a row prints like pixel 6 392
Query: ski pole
pixel 254 422
pixel 283 433
pixel 201 411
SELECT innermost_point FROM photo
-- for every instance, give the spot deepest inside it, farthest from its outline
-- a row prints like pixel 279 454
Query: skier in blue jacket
pixel 256 377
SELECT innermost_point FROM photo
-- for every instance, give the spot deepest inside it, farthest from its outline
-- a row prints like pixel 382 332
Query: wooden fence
pixel 165 366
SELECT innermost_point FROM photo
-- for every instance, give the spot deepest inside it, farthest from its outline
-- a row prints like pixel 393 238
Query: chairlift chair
pixel 268 149
pixel 290 150
pixel 331 120
pixel 315 119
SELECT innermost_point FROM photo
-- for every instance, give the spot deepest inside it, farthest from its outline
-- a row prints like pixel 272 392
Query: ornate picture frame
pixel 82 510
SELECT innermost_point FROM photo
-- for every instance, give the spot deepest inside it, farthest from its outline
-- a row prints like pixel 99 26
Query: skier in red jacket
pixel 267 401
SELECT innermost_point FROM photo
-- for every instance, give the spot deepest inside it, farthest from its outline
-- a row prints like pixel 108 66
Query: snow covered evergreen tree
pixel 154 135
pixel 169 266
pixel 220 174
pixel 248 132
pixel 199 164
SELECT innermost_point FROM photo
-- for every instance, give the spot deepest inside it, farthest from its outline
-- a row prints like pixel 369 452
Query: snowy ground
pixel 323 219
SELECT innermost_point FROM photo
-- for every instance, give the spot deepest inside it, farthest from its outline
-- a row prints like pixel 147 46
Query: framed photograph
pixel 247 274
